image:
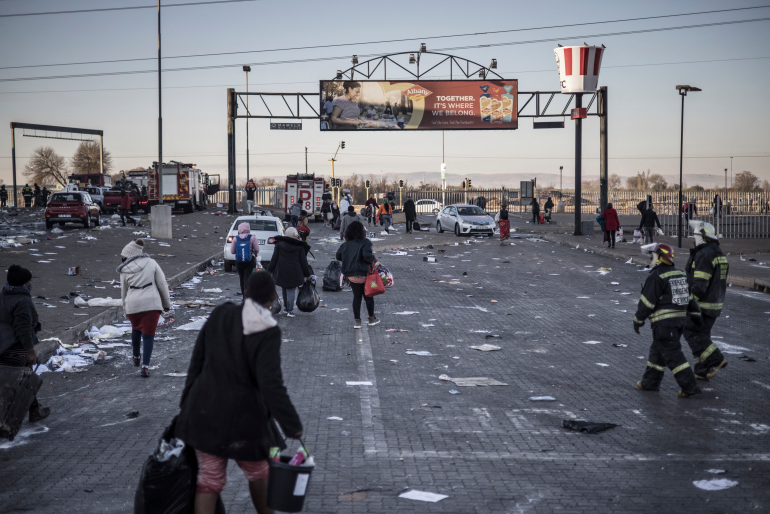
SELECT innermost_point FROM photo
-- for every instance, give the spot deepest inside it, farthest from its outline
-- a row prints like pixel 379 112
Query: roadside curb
pixel 71 335
pixel 751 283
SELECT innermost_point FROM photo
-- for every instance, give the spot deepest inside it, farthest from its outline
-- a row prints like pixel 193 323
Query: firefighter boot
pixel 686 380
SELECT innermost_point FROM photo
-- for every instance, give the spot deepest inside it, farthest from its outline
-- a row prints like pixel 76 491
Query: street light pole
pixel 682 92
pixel 160 122
pixel 247 69
pixel 561 169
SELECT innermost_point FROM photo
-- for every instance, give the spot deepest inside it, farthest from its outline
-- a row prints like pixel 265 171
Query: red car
pixel 71 207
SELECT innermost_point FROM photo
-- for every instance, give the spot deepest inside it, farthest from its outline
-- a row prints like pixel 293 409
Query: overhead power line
pixel 426 38
pixel 128 8
pixel 548 70
pixel 318 59
pixel 184 155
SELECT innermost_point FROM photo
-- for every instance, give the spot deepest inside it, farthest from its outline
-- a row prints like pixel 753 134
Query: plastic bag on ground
pixel 587 427
pixel 277 305
pixel 308 298
pixel 332 277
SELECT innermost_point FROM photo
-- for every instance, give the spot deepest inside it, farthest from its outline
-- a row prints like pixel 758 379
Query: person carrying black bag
pixel 234 390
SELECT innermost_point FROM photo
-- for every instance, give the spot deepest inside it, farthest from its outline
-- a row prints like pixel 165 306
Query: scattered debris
pixel 423 496
pixel 476 381
pixel 587 427
pixel 421 353
pixel 359 383
pixel 542 399
pixel 616 345
pixel 334 418
pixel 486 348
pixel 715 484
pixel 592 342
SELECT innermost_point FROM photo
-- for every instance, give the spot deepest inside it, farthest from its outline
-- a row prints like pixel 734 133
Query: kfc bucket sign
pixel 579 68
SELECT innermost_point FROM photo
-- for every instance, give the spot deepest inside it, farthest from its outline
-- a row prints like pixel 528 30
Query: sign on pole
pixel 285 126
pixel 422 105
pixel 443 171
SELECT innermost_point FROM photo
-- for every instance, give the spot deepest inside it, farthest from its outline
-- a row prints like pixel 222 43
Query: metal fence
pixel 267 197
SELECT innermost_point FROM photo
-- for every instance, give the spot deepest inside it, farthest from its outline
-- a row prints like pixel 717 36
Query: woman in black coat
pixel 233 390
pixel 289 266
pixel 535 211
pixel 410 212
pixel 357 259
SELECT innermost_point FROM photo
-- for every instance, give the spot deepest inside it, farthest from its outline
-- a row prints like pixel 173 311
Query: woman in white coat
pixel 144 291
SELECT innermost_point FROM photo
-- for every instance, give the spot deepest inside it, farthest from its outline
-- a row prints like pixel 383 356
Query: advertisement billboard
pixel 419 105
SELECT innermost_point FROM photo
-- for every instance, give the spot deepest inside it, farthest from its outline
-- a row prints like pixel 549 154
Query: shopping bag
pixel 308 298
pixel 619 234
pixel 333 277
pixel 415 226
pixel 18 387
pixel 277 306
pixel 374 285
pixel 385 275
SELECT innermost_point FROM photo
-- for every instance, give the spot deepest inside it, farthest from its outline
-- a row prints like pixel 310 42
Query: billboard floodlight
pixel 354 60
pixel 423 48
pixel 493 66
pixel 412 60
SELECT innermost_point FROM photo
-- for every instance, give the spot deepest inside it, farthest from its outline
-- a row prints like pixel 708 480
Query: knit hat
pixel 292 232
pixel 18 276
pixel 135 247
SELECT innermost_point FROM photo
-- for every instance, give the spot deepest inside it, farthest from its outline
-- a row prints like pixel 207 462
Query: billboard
pixel 419 105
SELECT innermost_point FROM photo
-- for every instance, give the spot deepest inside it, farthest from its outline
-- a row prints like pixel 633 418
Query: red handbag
pixel 374 285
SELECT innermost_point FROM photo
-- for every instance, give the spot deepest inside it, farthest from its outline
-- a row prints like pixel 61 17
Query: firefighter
pixel 45 193
pixel 707 276
pixel 3 196
pixel 27 193
pixel 666 301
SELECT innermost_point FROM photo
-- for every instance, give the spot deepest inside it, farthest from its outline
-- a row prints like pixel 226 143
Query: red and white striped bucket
pixel 579 68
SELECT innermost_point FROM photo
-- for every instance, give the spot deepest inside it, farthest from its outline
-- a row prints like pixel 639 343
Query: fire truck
pixel 309 189
pixel 182 185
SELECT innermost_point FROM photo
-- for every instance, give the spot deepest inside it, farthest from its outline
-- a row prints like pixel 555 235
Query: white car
pixel 465 220
pixel 264 227
pixel 97 194
pixel 428 206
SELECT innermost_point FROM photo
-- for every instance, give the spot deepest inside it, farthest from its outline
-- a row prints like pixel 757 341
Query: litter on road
pixel 587 427
pixel 592 342
pixel 542 399
pixel 715 484
pixel 421 353
pixel 334 418
pixel 486 348
pixel 359 383
pixel 422 496
pixel 476 381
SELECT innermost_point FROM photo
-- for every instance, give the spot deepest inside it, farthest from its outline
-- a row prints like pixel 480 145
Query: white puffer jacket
pixel 143 285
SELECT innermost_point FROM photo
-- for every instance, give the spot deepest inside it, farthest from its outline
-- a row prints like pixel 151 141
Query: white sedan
pixel 264 228
pixel 428 206
pixel 465 220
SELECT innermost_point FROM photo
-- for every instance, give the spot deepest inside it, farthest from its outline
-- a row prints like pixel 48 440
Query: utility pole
pixel 247 69
pixel 603 155
pixel 305 160
pixel 731 172
pixel 160 122
pixel 725 180
pixel 443 172
pixel 232 107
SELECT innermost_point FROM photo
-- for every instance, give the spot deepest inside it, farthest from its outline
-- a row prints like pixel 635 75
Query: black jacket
pixel 289 263
pixel 18 318
pixel 707 271
pixel 649 219
pixel 535 207
pixel 410 210
pixel 356 256
pixel 665 298
pixel 4 193
pixel 234 386
pixel 548 205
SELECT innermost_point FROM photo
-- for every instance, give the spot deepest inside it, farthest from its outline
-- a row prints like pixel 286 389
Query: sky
pixel 730 117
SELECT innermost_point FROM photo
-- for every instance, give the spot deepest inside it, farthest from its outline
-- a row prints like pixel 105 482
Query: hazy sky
pixel 731 117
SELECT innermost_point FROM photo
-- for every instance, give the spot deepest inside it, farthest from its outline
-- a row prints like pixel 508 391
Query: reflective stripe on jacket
pixel 665 297
pixel 707 271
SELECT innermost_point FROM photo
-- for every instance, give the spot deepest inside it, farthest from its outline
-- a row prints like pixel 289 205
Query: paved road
pixel 489 448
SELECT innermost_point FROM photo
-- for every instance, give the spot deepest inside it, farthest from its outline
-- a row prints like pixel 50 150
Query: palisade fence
pixel 742 215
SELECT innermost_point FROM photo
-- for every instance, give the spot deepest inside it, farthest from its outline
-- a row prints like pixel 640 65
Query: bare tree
pixel 614 182
pixel 86 159
pixel 746 181
pixel 766 185
pixel 46 167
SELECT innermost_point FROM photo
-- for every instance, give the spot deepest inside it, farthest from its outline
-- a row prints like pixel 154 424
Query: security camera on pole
pixel 579 73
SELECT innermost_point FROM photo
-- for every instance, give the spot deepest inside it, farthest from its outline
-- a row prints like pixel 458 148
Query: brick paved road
pixel 488 448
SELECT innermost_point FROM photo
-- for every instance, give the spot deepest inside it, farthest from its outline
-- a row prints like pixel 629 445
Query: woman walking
pixel 504 224
pixel 326 208
pixel 289 266
pixel 357 260
pixel 144 291
pixel 611 224
pixel 335 213
pixel 246 250
pixel 234 387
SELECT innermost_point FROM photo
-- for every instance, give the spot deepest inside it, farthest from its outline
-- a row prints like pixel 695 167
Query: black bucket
pixel 287 485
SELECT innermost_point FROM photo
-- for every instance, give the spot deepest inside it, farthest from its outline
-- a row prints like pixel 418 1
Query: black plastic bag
pixel 277 305
pixel 332 277
pixel 308 298
pixel 587 427
pixel 167 487
pixel 416 226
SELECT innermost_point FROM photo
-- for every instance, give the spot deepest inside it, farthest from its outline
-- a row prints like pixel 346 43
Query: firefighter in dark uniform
pixel 3 196
pixel 45 193
pixel 667 302
pixel 707 276
pixel 27 194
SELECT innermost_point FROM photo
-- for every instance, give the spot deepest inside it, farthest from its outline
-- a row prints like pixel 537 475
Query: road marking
pixel 760 383
pixel 569 456
pixel 371 414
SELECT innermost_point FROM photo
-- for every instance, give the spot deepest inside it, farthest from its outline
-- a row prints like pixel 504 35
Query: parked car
pixel 264 226
pixel 72 207
pixel 465 220
pixel 428 206
pixel 97 194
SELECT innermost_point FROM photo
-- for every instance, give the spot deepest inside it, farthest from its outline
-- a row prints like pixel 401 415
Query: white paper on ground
pixel 334 418
pixel 715 484
pixel 476 381
pixel 423 496
pixel 405 313
pixel 486 348
pixel 175 374
pixel 359 383
pixel 212 290
pixel 715 471
pixel 421 353
pixel 194 325
pixel 592 342
pixel 602 364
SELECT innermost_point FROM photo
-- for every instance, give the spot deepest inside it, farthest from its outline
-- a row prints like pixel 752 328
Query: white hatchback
pixel 264 228
pixel 427 206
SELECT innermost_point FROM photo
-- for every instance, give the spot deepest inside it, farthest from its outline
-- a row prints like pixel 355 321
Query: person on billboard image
pixel 346 111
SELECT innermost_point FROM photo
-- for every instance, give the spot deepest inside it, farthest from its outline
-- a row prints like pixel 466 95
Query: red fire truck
pixel 308 189
pixel 182 185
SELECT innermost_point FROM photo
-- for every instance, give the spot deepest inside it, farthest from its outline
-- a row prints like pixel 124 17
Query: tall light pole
pixel 561 169
pixel 731 172
pixel 247 69
pixel 725 180
pixel 160 123
pixel 682 92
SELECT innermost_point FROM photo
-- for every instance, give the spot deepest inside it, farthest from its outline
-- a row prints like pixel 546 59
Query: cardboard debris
pixel 476 381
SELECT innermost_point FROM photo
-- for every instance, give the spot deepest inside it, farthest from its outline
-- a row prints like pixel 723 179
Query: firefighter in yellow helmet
pixel 667 302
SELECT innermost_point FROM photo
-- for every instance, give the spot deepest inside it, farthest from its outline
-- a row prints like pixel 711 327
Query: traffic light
pixel 401 184
pixel 463 184
pixel 367 184
pixel 469 183
pixel 342 145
